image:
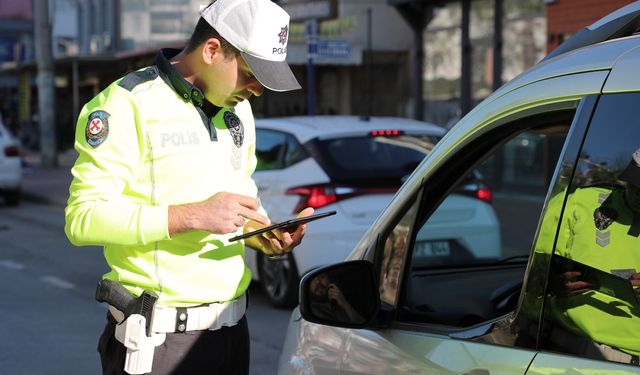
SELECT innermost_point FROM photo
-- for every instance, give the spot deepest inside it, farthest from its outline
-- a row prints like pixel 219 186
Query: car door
pixel 596 327
pixel 447 307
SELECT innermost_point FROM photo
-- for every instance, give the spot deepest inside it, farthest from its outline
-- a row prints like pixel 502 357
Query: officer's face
pixel 228 80
pixel 632 195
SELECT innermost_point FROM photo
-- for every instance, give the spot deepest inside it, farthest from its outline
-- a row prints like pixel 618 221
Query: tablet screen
pixel 284 224
pixel 604 282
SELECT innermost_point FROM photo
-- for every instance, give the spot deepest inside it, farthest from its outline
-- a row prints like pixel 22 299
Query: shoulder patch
pixel 604 216
pixel 133 79
pixel 97 128
pixel 233 123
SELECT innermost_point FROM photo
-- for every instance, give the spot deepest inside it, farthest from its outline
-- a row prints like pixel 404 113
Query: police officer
pixel 163 180
pixel 601 230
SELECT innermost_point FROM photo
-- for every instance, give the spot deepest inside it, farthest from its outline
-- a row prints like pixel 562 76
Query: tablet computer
pixel 288 223
pixel 612 284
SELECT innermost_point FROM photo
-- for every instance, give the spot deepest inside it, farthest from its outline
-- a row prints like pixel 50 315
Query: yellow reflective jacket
pixel 151 149
pixel 607 246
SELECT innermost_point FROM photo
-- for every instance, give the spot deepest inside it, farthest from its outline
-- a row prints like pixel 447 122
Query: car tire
pixel 12 197
pixel 279 280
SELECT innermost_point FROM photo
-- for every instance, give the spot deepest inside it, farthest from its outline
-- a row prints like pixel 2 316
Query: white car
pixel 557 292
pixel 354 166
pixel 10 167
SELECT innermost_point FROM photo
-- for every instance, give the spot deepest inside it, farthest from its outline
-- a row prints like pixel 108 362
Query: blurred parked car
pixel 354 166
pixel 390 310
pixel 10 167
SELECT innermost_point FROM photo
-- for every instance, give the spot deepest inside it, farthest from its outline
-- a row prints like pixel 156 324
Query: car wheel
pixel 12 197
pixel 279 279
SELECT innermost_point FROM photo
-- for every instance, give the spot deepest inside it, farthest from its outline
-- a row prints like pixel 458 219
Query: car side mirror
pixel 341 295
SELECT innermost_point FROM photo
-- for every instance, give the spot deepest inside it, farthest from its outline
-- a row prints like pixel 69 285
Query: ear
pixel 211 50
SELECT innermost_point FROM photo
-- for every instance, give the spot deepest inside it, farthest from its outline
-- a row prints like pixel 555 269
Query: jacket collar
pixel 186 90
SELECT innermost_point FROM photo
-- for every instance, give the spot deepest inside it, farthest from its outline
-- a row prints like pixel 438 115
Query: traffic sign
pixel 334 48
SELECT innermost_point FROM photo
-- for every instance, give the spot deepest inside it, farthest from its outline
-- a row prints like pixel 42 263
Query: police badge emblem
pixel 603 216
pixel 233 123
pixel 97 128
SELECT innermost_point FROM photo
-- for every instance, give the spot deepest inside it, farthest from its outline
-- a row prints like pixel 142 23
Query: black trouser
pixel 223 351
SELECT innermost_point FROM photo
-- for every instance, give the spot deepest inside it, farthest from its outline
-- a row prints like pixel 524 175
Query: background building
pixel 428 59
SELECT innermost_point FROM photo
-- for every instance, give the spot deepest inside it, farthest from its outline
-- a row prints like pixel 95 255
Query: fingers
pixel 276 242
pixel 577 286
pixel 239 221
pixel 225 212
pixel 247 208
pixel 248 214
pixel 635 282
pixel 283 240
pixel 635 279
pixel 306 212
pixel 242 208
pixel 245 201
pixel 332 293
pixel 572 275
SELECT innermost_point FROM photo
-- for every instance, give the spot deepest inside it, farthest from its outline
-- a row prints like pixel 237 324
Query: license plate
pixel 429 249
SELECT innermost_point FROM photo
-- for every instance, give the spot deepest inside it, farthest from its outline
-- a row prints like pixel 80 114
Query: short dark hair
pixel 202 32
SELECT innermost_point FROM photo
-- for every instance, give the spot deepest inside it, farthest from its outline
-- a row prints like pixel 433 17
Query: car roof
pixel 599 56
pixel 306 128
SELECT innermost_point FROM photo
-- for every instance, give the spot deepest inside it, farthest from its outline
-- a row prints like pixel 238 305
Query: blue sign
pixel 334 48
pixel 6 50
pixel 312 48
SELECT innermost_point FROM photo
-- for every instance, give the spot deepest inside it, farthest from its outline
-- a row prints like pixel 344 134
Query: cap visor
pixel 274 75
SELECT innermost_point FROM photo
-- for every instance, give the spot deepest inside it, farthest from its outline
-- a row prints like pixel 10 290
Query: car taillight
pixel 386 132
pixel 11 151
pixel 484 194
pixel 478 190
pixel 317 196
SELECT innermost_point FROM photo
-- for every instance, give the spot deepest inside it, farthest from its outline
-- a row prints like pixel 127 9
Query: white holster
pixel 140 347
pixel 132 331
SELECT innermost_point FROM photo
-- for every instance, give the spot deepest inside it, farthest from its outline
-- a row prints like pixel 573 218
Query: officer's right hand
pixel 635 281
pixel 572 283
pixel 221 213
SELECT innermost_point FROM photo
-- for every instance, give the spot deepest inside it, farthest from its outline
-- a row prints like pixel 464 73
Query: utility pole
pixel 311 26
pixel 498 14
pixel 46 113
pixel 466 92
pixel 369 94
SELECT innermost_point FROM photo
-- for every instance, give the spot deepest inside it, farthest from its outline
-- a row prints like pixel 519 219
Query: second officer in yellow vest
pixel 601 230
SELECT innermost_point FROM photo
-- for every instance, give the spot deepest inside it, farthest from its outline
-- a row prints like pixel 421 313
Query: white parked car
pixel 354 166
pixel 10 167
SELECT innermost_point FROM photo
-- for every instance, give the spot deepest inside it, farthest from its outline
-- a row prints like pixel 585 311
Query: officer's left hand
pixel 283 240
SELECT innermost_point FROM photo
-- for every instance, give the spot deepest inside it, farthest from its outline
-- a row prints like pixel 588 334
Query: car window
pixel 295 152
pixel 383 160
pixel 270 148
pixel 466 259
pixel 591 308
pixel 393 256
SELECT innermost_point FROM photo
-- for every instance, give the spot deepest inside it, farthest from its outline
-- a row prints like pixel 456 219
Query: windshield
pixel 378 160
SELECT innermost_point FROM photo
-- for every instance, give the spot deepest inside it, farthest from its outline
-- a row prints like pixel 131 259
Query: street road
pixel 50 319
